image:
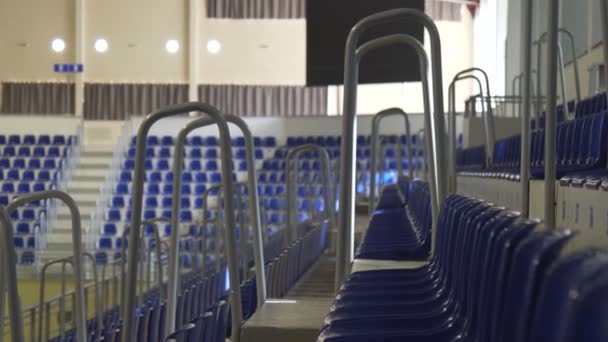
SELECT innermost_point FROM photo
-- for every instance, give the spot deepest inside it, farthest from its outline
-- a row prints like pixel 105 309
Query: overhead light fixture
pixel 172 46
pixel 214 46
pixel 58 45
pixel 101 45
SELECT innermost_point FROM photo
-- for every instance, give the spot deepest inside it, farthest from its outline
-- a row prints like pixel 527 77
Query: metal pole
pixel 139 173
pixel 562 76
pixel 539 88
pixel 550 119
pixel 8 277
pixel 374 158
pixel 525 117
pixel 254 208
pixel 423 62
pixel 604 16
pixel 178 159
pixel 80 319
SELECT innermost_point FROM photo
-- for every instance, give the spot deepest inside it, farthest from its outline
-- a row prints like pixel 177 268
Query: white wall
pixel 33 124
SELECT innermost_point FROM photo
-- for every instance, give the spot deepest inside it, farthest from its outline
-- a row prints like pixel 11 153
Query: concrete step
pixel 84 187
pixel 64 225
pixel 84 208
pixel 90 173
pixel 68 217
pixel 104 149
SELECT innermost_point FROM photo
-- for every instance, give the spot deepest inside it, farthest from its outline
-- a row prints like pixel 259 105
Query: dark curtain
pixel 37 98
pixel 104 101
pixel 256 9
pixel 282 101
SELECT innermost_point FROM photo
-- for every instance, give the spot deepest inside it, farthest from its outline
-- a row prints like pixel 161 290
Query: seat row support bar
pixel 604 16
pixel 525 114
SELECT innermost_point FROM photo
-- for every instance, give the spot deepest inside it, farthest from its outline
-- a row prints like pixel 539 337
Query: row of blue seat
pixel 592 105
pixel 581 146
pixel 27 175
pixel 166 188
pixel 210 141
pixel 35 151
pixel 335 141
pixel 492 278
pixel 199 177
pixel 399 229
pixel 24 187
pixel 194 153
pixel 44 139
pixel 31 163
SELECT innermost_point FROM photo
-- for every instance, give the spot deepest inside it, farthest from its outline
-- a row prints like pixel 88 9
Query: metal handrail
pixel 374 158
pixel 139 172
pixel 488 123
pixel 10 262
pixel 423 61
pixel 524 171
pixel 329 205
pixel 151 222
pixel 349 124
pixel 42 303
pixel 562 70
pixel 208 191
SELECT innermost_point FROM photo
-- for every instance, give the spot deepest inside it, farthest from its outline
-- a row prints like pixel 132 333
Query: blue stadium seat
pixel 110 229
pixel 14 139
pixel 167 141
pixel 152 140
pixel 211 165
pixel 196 153
pixel 211 141
pixel 8 151
pixel 200 177
pixel 211 153
pixel 54 152
pixel 195 141
pixel 122 188
pixel 59 140
pixel 195 165
pixel 164 153
pixel 162 164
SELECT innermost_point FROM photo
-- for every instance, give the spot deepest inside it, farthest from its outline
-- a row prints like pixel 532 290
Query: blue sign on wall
pixel 68 68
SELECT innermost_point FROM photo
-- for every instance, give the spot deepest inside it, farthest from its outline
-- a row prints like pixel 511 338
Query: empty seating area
pixel 201 167
pixel 238 184
pixel 493 278
pixel 33 163
pixel 581 148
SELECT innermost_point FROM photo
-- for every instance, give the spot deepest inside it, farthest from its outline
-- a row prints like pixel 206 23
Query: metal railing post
pixel 374 158
pixel 488 124
pixel 208 191
pixel 550 119
pixel 525 117
pixel 8 277
pixel 349 124
pixel 326 175
pixel 80 320
pixel 604 18
pixel 139 173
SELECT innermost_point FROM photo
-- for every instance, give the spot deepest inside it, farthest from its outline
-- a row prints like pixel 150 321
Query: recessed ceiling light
pixel 172 46
pixel 58 45
pixel 101 45
pixel 214 46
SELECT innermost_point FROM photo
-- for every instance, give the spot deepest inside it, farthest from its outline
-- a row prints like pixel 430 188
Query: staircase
pixel 84 185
